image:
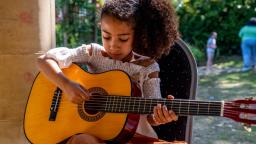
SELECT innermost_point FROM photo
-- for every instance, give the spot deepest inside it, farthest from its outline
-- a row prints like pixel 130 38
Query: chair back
pixel 178 74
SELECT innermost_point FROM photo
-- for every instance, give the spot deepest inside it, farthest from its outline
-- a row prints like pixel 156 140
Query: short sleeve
pixel 65 56
pixel 151 86
pixel 214 41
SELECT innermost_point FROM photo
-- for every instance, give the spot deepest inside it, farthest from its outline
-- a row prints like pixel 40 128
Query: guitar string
pixel 216 105
pixel 230 113
pixel 185 110
pixel 141 109
pixel 153 100
pixel 126 104
pixel 212 103
pixel 128 109
pixel 158 100
pixel 178 102
pixel 226 113
pixel 170 104
pixel 195 106
pixel 34 115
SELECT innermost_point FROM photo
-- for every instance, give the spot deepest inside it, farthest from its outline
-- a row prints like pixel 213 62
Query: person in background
pixel 210 50
pixel 248 44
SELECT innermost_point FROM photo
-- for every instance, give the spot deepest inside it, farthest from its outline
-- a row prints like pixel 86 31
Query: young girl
pixel 210 49
pixel 135 33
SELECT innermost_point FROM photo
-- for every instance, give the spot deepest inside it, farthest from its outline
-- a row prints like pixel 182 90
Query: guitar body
pixel 71 119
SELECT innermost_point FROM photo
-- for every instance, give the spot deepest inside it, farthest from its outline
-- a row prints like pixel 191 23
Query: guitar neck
pixel 123 104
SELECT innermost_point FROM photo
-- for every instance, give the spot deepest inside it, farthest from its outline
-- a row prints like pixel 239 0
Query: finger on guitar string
pixel 160 113
pixel 173 116
pixel 168 115
pixel 170 97
pixel 156 114
pixel 85 93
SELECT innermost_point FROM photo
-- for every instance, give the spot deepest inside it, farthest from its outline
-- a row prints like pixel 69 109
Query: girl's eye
pixel 123 40
pixel 106 38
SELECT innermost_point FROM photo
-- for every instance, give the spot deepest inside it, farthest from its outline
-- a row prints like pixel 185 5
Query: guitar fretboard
pixel 126 104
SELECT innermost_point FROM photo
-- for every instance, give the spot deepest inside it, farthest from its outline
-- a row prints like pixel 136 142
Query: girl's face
pixel 117 37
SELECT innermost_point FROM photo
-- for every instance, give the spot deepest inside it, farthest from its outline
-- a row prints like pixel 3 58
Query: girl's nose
pixel 114 44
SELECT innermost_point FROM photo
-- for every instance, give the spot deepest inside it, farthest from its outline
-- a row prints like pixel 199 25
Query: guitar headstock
pixel 243 110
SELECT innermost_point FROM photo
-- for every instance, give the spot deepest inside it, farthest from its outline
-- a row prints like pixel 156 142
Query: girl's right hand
pixel 75 92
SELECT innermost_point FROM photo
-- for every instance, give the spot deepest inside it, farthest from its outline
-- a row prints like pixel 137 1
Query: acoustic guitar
pixel 113 111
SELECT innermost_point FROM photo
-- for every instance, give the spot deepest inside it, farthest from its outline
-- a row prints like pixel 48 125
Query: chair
pixel 178 73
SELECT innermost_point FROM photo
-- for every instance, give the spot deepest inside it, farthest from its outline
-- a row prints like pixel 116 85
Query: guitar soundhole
pixel 91 115
pixel 92 112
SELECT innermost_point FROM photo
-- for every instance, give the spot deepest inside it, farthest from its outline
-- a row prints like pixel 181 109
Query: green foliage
pixel 198 18
pixel 75 22
pixel 199 55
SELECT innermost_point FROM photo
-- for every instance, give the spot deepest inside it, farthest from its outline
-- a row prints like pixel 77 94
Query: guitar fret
pixel 145 102
pixel 129 104
pixel 124 104
pixel 106 106
pixel 188 107
pixel 119 101
pixel 113 107
pixel 198 108
pixel 209 107
pixel 116 104
pixel 119 105
pixel 133 105
pixel 139 107
pixel 172 105
pixel 179 106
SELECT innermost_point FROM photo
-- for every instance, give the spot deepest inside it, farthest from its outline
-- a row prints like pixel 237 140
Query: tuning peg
pixel 247 127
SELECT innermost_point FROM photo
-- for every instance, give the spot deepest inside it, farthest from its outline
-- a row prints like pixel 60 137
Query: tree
pixel 76 22
pixel 198 18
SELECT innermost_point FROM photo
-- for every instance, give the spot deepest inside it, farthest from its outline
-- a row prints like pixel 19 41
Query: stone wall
pixel 26 28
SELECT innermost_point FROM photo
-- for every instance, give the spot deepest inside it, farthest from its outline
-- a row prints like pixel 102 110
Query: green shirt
pixel 248 32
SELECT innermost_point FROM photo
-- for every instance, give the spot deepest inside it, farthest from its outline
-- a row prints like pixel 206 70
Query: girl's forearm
pixel 52 71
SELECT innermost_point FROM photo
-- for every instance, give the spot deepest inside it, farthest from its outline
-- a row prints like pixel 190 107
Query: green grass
pixel 219 130
pixel 227 86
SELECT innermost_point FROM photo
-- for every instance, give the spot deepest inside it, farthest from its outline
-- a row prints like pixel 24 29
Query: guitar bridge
pixel 55 104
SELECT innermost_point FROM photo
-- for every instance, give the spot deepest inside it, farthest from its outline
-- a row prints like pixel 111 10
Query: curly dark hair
pixel 154 21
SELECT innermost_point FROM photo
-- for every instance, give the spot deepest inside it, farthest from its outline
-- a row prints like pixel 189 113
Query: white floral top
pixel 98 63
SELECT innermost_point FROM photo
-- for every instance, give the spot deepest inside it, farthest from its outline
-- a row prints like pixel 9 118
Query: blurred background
pixel 76 23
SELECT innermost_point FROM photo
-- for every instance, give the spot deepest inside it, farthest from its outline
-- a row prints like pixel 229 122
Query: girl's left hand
pixel 162 115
